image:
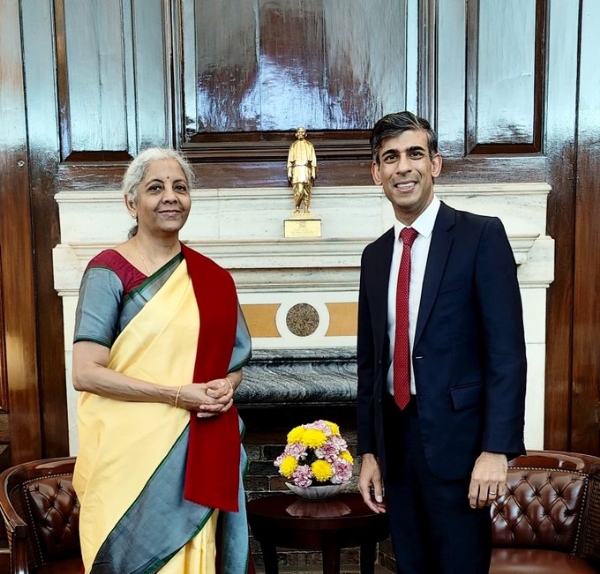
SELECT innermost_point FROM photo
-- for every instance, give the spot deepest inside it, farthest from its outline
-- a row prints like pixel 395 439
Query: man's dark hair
pixel 393 125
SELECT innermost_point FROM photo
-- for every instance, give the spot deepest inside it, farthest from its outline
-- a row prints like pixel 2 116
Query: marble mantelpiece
pixel 299 376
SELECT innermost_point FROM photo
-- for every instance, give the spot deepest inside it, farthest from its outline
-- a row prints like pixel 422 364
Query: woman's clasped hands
pixel 208 399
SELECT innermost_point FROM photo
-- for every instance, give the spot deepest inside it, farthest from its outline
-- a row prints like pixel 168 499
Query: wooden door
pixel 19 398
pixel 511 87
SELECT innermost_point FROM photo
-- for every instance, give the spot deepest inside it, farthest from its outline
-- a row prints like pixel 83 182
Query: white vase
pixel 315 492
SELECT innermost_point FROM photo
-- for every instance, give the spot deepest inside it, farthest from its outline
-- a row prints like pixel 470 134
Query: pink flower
pixel 328 451
pixel 342 471
pixel 320 425
pixel 303 476
pixel 339 443
pixel 295 449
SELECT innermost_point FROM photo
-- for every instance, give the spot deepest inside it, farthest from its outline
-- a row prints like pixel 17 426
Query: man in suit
pixel 441 379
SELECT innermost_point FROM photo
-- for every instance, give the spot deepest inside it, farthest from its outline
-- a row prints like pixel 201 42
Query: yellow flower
pixel 314 438
pixel 295 435
pixel 335 429
pixel 288 466
pixel 322 470
pixel 346 456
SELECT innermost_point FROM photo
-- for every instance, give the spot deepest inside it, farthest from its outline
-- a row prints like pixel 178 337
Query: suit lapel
pixel 441 242
pixel 382 275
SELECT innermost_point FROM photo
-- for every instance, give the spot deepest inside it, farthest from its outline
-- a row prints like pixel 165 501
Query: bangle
pixel 229 381
pixel 177 395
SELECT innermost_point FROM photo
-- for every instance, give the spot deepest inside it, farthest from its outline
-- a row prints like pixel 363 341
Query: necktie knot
pixel 408 236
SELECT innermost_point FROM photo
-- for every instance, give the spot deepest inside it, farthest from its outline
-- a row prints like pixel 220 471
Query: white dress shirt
pixel 420 250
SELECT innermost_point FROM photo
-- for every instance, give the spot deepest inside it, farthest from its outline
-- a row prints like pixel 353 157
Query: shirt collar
pixel 425 222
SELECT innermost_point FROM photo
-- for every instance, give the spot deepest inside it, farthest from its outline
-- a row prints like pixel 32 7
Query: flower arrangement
pixel 316 452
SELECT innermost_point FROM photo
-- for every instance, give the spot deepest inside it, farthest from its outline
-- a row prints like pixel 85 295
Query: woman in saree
pixel 160 342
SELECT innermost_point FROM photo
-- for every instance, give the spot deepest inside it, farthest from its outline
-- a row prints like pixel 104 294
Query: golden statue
pixel 302 170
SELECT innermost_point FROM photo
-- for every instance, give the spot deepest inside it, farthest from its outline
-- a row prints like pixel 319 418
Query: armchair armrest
pixel 17 533
pixel 589 543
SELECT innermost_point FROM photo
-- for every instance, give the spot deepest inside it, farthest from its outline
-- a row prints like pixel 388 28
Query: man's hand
pixel 370 485
pixel 488 479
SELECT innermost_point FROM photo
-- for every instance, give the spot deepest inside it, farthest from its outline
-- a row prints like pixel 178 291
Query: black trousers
pixel 434 530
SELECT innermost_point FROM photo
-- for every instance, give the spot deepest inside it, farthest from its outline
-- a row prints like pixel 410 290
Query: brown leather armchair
pixel 41 514
pixel 549 520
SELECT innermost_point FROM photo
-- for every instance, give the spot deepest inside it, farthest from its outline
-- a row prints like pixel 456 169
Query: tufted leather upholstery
pixel 549 519
pixel 41 514
pixel 547 523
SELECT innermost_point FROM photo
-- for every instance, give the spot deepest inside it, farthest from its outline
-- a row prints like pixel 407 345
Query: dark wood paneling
pixel 259 161
pixel 586 287
pixel 16 239
pixel 149 113
pixel 280 64
pixel 428 58
pixel 97 36
pixel 62 78
pixel 4 428
pixel 42 120
pixel 475 27
pixel 3 379
pixel 51 351
pixel 559 328
pixel 560 147
pixel 475 169
pixel 585 436
pixel 113 72
pixel 450 64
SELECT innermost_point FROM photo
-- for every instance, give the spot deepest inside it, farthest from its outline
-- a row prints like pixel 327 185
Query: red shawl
pixel 213 459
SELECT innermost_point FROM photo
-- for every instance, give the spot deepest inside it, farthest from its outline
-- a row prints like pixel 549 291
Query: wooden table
pixel 326 525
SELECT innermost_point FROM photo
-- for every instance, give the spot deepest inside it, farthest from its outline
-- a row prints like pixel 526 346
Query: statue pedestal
pixel 302 225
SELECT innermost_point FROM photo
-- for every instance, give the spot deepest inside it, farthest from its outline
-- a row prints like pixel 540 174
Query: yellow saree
pixel 134 518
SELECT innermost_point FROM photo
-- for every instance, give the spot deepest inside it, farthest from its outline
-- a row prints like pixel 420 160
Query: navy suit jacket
pixel 468 356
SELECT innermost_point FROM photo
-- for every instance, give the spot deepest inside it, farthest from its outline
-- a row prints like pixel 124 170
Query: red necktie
pixel 402 345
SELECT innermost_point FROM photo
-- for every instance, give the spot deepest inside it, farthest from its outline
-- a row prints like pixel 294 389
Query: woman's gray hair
pixel 137 169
